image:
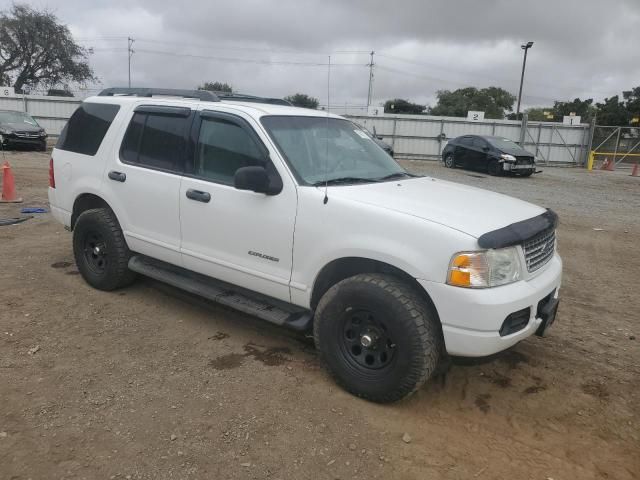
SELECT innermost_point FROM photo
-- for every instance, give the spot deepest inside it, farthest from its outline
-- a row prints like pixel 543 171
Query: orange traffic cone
pixel 612 165
pixel 634 172
pixel 8 185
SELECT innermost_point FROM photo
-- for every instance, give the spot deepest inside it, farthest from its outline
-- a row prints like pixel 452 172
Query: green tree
pixel 613 112
pixel 302 100
pixel 216 87
pixel 583 108
pixel 537 114
pixel 400 105
pixel 36 49
pixel 494 101
pixel 632 101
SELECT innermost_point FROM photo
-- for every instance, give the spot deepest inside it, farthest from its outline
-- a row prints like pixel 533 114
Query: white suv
pixel 298 217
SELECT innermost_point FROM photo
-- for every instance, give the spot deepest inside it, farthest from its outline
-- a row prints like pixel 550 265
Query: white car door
pixel 239 236
pixel 143 181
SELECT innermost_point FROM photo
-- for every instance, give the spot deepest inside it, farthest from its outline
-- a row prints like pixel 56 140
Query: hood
pixel 468 209
pixel 516 151
pixel 21 127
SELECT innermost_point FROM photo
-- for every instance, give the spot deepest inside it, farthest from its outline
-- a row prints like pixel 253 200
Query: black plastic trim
pixel 164 110
pixel 519 232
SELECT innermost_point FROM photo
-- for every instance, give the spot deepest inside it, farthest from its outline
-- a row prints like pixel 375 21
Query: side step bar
pixel 238 298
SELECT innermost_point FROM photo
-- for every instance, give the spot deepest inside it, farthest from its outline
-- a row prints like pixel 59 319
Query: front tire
pixel 449 161
pixel 528 173
pixel 378 338
pixel 100 250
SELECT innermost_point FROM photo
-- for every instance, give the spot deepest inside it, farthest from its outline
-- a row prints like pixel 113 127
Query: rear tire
pixel 449 161
pixel 377 337
pixel 494 168
pixel 100 250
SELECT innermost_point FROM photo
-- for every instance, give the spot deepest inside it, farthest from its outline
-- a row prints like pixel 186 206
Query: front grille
pixel 27 134
pixel 539 250
pixel 524 160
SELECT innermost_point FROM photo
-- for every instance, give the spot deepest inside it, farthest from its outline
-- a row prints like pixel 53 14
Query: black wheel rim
pixel 365 340
pixel 95 252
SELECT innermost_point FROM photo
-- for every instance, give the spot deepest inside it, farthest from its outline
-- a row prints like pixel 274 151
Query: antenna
pixel 326 163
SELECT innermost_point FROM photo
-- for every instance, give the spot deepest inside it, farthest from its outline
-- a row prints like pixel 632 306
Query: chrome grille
pixel 27 134
pixel 539 250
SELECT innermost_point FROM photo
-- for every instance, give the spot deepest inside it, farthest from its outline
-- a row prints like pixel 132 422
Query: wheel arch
pixel 345 267
pixel 86 201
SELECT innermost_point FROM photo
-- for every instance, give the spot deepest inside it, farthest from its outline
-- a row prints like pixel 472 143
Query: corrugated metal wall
pixel 50 112
pixel 424 137
pixel 412 136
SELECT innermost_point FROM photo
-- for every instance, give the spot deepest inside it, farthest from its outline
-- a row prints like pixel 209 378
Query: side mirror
pixel 256 179
pixel 485 149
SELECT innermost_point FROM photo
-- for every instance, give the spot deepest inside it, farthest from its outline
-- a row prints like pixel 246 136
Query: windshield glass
pixel 17 117
pixel 503 143
pixel 319 149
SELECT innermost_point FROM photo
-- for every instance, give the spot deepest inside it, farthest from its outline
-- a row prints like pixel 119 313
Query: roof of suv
pixel 253 109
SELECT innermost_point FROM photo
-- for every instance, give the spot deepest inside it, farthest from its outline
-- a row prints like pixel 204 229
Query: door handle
pixel 198 195
pixel 117 176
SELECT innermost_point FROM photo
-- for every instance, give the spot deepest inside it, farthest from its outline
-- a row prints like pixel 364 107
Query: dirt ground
pixel 150 383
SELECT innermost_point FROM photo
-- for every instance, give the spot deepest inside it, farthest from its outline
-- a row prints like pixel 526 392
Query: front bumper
pixel 472 318
pixel 11 141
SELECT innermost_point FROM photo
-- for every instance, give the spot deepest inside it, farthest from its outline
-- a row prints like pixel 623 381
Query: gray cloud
pixel 582 48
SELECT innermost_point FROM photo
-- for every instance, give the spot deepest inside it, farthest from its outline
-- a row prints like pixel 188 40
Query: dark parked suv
pixel 18 129
pixel 495 155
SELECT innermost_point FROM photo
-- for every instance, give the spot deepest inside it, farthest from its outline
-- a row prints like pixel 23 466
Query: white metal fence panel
pixel 424 137
pixel 50 112
pixel 412 136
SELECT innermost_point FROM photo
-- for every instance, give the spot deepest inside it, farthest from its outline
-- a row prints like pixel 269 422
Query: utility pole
pixel 130 52
pixel 525 47
pixel 370 94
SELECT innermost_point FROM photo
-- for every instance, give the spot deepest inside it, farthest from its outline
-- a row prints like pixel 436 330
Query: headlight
pixel 507 157
pixel 489 268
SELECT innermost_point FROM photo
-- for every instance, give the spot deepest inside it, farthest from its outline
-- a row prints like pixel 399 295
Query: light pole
pixel 525 47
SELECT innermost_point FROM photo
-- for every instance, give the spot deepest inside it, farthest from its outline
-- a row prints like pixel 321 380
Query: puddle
pixel 270 356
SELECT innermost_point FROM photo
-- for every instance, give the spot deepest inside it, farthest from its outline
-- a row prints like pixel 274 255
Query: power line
pixel 246 60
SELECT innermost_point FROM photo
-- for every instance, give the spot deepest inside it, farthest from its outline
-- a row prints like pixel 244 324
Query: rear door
pixel 462 151
pixel 241 237
pixel 143 181
pixel 477 154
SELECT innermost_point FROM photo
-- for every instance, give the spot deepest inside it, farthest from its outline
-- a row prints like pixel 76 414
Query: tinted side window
pixel 131 142
pixel 466 141
pixel 155 141
pixel 224 147
pixel 479 143
pixel 87 127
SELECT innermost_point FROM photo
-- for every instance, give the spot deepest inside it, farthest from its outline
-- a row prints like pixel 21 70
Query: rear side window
pixel 224 147
pixel 155 140
pixel 479 143
pixel 87 127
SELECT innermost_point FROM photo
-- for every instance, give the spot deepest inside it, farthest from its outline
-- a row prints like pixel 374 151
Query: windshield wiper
pixel 339 180
pixel 393 176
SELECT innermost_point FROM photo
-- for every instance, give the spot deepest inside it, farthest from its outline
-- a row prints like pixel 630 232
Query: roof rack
pixel 241 97
pixel 203 95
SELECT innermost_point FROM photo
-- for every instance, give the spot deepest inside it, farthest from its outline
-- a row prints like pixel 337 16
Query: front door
pixel 241 237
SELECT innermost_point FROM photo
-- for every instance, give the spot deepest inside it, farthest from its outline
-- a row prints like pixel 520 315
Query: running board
pixel 238 298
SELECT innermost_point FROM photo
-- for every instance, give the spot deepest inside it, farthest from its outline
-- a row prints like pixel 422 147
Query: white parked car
pixel 299 218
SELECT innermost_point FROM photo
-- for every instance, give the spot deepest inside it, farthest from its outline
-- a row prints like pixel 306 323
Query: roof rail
pixel 203 95
pixel 241 97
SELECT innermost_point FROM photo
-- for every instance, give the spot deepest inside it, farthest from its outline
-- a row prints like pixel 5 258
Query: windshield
pixel 503 143
pixel 17 117
pixel 322 149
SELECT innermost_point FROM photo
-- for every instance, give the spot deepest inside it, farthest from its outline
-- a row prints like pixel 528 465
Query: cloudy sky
pixel 583 48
